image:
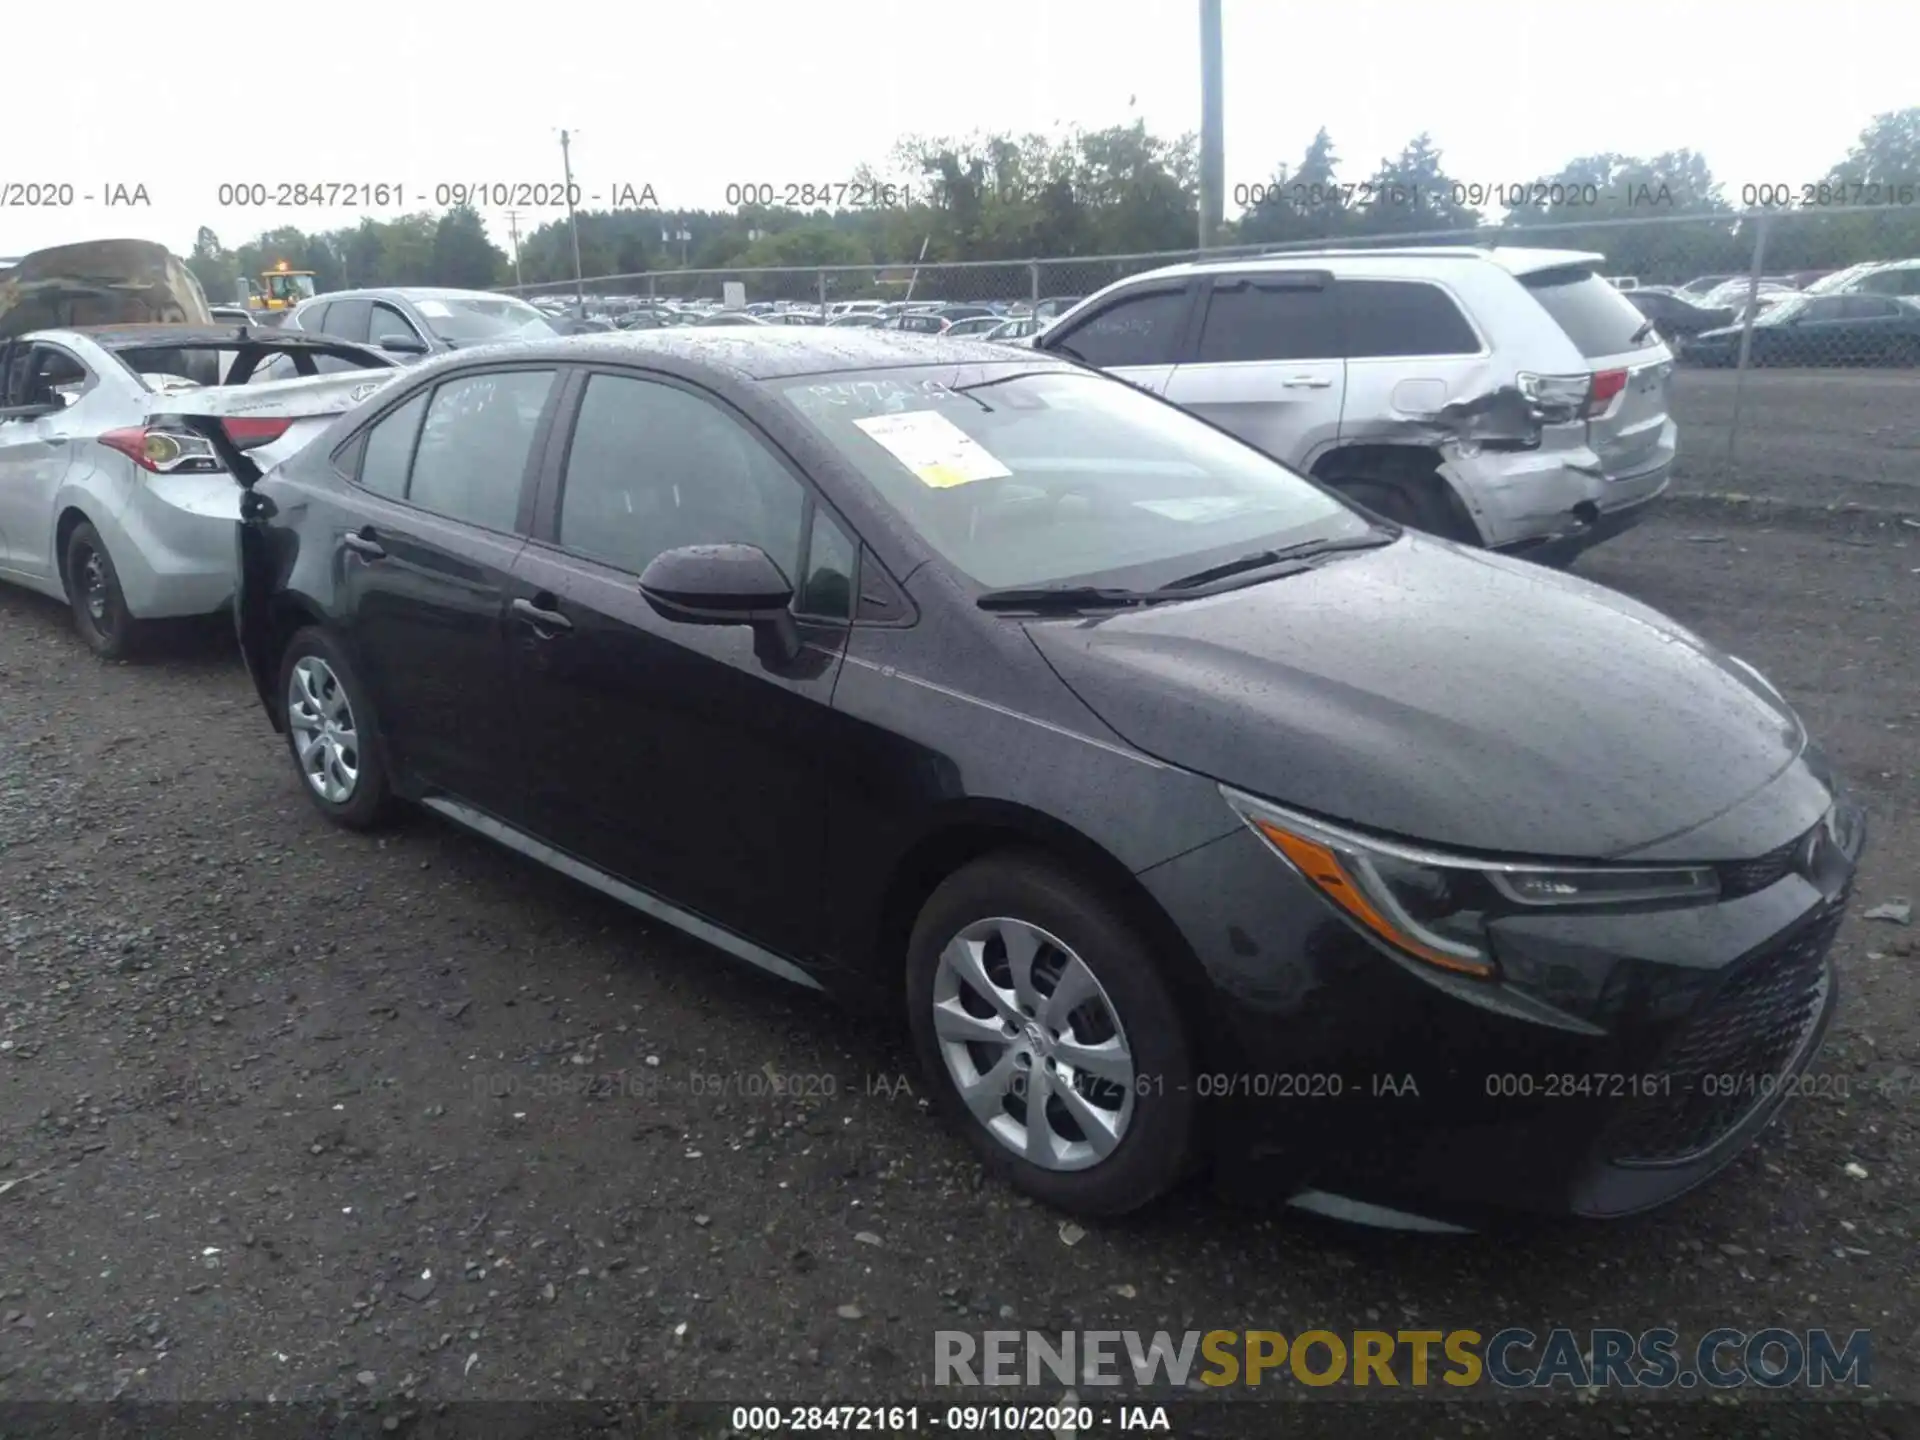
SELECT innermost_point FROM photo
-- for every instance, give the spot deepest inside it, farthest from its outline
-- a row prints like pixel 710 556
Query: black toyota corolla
pixel 1185 813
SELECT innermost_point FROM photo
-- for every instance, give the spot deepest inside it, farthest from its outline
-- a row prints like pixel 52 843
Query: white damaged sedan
pixel 108 504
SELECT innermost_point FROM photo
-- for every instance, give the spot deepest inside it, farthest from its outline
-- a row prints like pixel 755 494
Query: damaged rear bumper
pixel 1586 528
pixel 1545 503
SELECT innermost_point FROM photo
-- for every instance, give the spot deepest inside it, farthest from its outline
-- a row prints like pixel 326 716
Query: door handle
pixel 1306 382
pixel 361 542
pixel 546 622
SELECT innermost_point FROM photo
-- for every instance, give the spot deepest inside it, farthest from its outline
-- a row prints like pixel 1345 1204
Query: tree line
pixel 1124 190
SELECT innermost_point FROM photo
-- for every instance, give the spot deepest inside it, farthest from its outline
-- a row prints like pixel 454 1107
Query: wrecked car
pixel 124 514
pixel 1509 398
pixel 100 282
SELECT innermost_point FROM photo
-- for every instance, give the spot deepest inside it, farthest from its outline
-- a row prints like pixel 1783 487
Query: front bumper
pixel 1622 1059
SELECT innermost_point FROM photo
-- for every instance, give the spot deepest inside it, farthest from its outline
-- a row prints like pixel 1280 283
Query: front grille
pixel 1744 877
pixel 1733 1055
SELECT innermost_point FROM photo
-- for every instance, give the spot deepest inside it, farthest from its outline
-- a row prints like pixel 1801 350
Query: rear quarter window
pixel 1403 317
pixel 1595 316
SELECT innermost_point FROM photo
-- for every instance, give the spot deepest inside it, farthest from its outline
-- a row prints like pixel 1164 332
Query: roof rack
pixel 1284 252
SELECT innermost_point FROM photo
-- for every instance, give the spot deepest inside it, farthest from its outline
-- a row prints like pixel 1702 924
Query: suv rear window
pixel 1597 318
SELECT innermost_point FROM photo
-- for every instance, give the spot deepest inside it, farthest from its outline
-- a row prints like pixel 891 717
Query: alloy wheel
pixel 1033 1044
pixel 325 738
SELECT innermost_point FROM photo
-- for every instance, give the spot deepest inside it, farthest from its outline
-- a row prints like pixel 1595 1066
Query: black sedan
pixel 1180 810
pixel 1677 316
pixel 1819 330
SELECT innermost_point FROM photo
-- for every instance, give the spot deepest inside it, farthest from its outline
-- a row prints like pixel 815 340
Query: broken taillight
pixel 1561 398
pixel 1606 385
pixel 164 452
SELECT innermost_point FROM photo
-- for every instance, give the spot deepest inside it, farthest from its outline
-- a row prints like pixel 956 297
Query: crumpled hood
pixel 100 282
pixel 1438 694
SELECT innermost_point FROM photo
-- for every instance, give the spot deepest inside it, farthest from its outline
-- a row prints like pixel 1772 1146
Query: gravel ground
pixel 1808 437
pixel 290 1113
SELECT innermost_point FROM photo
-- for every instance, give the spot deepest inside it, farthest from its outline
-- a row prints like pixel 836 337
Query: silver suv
pixel 1504 397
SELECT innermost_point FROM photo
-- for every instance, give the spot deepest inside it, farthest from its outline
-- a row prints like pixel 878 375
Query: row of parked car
pixel 1867 314
pixel 1506 398
pixel 1120 761
pixel 984 319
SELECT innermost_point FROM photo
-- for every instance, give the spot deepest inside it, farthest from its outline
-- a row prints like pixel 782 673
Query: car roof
pixel 1516 260
pixel 414 292
pixel 764 352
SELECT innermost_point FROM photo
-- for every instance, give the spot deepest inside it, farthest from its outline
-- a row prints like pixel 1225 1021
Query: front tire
pixel 100 611
pixel 331 732
pixel 1049 1037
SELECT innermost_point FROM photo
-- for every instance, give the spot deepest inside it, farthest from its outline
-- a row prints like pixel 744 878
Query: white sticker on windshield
pixel 433 309
pixel 1195 508
pixel 935 449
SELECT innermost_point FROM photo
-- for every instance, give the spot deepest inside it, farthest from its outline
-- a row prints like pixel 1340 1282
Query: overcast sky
pixel 688 98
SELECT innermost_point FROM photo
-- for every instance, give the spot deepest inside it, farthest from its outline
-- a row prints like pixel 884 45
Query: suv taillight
pixel 164 452
pixel 1558 399
pixel 1606 385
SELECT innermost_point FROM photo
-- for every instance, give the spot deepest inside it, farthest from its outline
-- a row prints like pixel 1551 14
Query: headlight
pixel 1435 907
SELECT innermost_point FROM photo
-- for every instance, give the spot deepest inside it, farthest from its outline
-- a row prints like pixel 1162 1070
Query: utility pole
pixel 1212 126
pixel 573 226
pixel 513 228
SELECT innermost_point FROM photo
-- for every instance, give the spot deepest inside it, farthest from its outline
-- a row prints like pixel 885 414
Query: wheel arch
pixel 287 615
pixel 1400 462
pixel 70 519
pixel 974 829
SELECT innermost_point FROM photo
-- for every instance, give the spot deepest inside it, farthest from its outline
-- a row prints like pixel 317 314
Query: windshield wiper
pixel 1262 559
pixel 1069 597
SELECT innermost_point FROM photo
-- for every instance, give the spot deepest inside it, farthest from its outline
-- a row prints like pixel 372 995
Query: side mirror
pixel 32 412
pixel 403 344
pixel 724 585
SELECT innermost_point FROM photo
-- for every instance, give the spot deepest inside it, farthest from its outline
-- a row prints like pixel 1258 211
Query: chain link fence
pixel 1796 332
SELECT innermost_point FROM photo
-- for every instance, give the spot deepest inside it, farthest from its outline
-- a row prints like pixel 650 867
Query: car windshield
pixel 1022 477
pixel 477 319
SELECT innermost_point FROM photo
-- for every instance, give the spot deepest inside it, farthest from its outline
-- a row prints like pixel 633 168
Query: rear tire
pixel 1406 491
pixel 331 732
pixel 100 611
pixel 997 945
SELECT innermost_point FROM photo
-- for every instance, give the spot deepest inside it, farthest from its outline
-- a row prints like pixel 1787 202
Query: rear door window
pixel 313 318
pixel 1869 307
pixel 1408 317
pixel 1139 329
pixel 472 458
pixel 1269 319
pixel 1596 317
pixel 389 449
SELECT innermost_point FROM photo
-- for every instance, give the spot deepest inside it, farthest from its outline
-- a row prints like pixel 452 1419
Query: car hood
pixel 100 282
pixel 1438 694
